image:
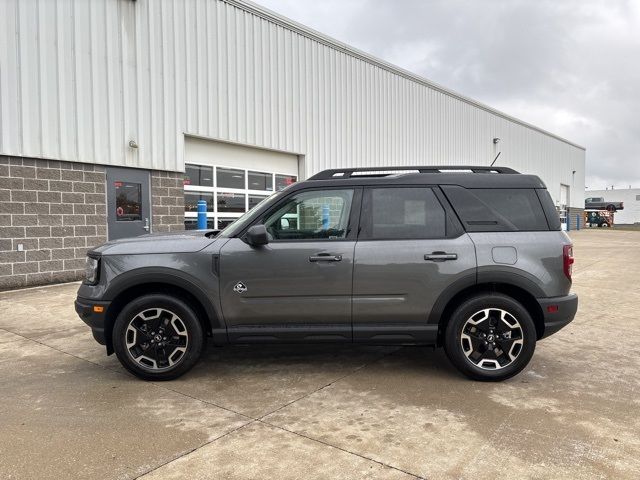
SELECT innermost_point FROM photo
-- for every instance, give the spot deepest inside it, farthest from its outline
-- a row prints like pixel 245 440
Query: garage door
pixel 231 179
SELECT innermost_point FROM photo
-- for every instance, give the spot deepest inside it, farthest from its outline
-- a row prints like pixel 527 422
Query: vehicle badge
pixel 240 287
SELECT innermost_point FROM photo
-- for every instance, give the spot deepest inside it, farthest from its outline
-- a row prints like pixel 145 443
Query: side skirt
pixel 392 334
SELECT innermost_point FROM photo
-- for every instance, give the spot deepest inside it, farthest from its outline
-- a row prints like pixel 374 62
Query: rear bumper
pixel 85 310
pixel 558 312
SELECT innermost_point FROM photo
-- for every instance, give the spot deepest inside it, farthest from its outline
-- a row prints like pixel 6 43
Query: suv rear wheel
pixel 157 337
pixel 490 337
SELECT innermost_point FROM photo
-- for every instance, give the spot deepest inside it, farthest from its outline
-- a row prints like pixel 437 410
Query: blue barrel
pixel 325 217
pixel 202 214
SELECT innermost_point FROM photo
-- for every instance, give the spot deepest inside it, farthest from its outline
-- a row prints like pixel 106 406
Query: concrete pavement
pixel 67 410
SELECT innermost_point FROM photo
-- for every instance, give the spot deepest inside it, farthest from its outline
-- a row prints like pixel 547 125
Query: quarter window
pixel 403 213
pixel 518 207
pixel 312 215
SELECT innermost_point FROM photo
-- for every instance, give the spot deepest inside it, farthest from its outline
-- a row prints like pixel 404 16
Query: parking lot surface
pixel 69 411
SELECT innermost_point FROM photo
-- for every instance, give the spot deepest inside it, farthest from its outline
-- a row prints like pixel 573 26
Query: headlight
pixel 91 270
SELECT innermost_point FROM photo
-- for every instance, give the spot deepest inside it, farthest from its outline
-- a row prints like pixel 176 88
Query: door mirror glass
pixel 256 236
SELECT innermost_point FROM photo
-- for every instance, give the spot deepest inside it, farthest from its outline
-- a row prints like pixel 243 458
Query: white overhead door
pixel 231 178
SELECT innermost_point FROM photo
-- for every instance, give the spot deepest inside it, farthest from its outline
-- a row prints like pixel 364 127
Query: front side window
pixel 402 213
pixel 312 215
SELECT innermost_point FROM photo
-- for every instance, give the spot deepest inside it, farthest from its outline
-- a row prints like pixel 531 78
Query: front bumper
pixel 96 320
pixel 558 312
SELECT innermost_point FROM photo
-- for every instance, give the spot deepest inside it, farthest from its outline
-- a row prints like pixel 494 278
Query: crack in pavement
pixel 251 420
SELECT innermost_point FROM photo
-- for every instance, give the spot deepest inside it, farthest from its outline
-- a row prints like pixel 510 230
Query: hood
pixel 173 242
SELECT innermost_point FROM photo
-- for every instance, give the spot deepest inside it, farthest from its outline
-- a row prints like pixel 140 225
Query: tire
pixel 142 348
pixel 514 335
pixel 611 208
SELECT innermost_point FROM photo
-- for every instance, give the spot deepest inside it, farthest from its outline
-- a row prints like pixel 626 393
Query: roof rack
pixel 340 173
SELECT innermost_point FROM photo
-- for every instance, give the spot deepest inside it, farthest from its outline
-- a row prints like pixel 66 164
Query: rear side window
pixel 402 213
pixel 498 209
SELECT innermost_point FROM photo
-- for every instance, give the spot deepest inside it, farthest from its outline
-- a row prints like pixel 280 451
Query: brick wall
pixel 573 213
pixel 167 201
pixel 56 211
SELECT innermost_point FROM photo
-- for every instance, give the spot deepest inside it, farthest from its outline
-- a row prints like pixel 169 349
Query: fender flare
pixel 167 276
pixel 505 277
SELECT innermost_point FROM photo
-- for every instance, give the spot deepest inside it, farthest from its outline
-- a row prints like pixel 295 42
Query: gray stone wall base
pixel 55 212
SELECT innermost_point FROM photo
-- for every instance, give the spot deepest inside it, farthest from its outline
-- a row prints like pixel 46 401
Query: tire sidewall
pixel 471 306
pixel 175 305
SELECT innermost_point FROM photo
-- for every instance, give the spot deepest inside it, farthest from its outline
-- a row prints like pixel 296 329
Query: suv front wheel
pixel 157 337
pixel 490 337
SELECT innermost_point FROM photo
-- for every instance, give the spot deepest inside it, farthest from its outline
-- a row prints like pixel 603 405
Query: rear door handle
pixel 325 257
pixel 440 256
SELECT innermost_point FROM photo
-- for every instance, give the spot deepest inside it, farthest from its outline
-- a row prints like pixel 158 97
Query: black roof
pixel 464 176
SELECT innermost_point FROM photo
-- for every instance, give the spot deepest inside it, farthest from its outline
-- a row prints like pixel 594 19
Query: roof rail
pixel 339 173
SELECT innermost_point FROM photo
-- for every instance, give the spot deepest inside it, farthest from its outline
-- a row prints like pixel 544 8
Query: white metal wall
pixel 80 78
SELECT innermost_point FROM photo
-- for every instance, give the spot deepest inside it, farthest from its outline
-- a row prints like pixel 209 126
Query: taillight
pixel 567 260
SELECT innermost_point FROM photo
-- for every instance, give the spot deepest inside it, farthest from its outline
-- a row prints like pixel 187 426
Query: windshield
pixel 237 226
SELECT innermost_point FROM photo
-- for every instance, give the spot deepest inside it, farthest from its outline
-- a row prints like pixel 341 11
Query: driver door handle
pixel 325 257
pixel 440 256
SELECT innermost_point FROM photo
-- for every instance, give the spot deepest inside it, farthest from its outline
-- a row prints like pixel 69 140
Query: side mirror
pixel 256 236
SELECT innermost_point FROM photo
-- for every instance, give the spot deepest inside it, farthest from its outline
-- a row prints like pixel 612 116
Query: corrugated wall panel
pixel 79 80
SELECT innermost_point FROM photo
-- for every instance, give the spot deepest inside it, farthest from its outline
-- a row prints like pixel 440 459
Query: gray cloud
pixel 570 67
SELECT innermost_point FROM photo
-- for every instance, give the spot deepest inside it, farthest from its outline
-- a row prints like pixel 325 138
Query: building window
pixel 283 181
pixel 255 200
pixel 191 201
pixel 128 201
pixel 260 181
pixel 192 223
pixel 198 175
pixel 229 192
pixel 231 202
pixel 230 178
pixel 637 198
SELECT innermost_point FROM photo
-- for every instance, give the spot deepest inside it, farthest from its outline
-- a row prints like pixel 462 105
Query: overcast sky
pixel 569 66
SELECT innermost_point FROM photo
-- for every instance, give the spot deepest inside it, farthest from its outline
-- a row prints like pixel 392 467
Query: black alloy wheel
pixel 158 337
pixel 490 337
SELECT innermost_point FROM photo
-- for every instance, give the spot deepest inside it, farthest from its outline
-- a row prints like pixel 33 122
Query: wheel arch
pixel 127 289
pixel 517 292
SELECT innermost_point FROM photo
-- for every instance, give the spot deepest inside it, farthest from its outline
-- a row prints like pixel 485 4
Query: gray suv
pixel 468 258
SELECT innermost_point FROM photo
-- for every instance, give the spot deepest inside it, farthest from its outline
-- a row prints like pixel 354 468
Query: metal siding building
pixel 80 80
